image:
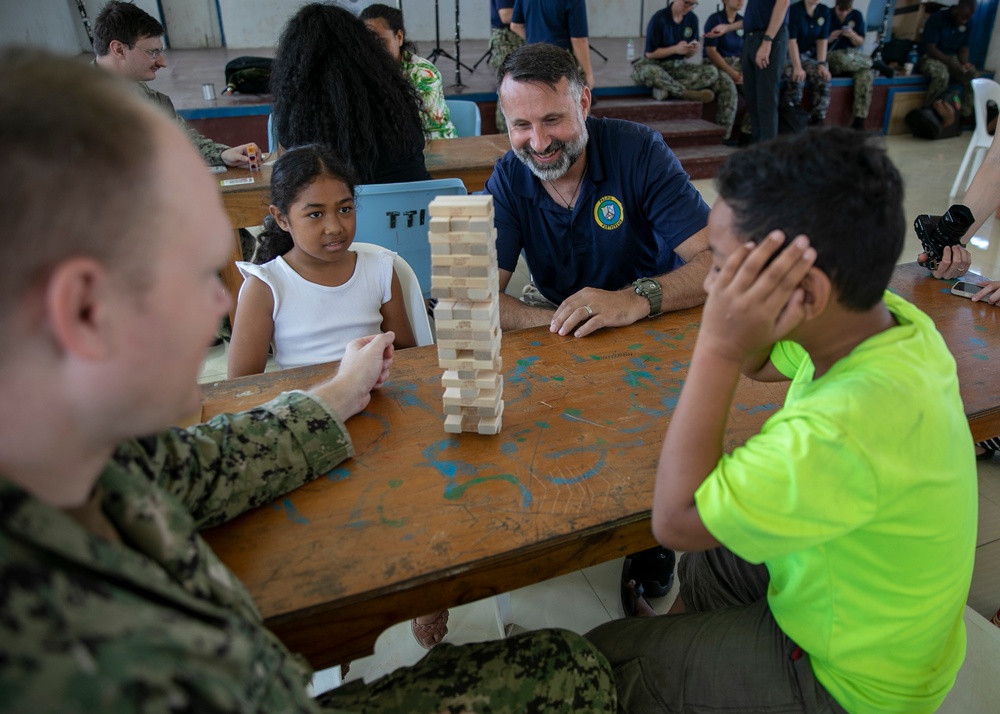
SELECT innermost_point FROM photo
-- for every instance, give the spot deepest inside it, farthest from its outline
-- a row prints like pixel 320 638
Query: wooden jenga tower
pixel 464 278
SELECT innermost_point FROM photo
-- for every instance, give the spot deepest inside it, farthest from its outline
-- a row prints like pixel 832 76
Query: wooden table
pixel 421 520
pixel 470 159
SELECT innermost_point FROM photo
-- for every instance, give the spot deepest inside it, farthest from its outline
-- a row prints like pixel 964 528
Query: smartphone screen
pixel 965 289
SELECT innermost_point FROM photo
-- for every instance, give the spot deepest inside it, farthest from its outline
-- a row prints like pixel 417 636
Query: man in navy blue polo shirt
pixel 808 30
pixel 944 45
pixel 612 229
pixel 765 42
pixel 557 22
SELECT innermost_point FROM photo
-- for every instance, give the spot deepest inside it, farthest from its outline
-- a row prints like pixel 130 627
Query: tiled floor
pixel 582 600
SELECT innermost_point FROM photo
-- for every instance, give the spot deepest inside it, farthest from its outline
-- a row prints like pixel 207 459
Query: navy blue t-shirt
pixel 759 14
pixel 664 32
pixel 942 31
pixel 495 7
pixel 854 21
pixel 552 21
pixel 731 43
pixel 806 30
pixel 636 206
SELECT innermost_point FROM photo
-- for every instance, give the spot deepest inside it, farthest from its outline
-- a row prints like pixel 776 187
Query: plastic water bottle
pixel 911 60
pixel 630 50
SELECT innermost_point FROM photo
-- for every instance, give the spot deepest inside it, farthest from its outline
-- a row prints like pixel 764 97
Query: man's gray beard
pixel 571 151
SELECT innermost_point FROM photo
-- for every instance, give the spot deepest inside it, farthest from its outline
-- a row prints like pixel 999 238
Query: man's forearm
pixel 777 17
pixel 581 49
pixel 684 287
pixel 518 29
pixel 515 315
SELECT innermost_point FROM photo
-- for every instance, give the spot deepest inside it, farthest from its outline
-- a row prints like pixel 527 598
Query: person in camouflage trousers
pixel 127 41
pixel 944 47
pixel 847 35
pixel 672 36
pixel 111 600
pixel 503 41
pixel 808 33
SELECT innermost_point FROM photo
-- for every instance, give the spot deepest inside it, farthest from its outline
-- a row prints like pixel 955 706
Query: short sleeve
pixel 787 357
pixel 578 19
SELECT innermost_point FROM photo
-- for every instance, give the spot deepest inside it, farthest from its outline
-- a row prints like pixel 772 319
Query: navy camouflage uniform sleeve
pixel 236 462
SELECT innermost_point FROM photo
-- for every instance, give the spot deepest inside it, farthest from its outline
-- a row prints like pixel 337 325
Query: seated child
pixel 828 559
pixel 306 295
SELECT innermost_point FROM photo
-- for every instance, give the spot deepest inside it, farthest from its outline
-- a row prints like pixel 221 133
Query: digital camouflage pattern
pixel 859 66
pixel 940 76
pixel 435 118
pixel 156 623
pixel 674 76
pixel 211 151
pixel 820 88
pixel 737 64
pixel 503 41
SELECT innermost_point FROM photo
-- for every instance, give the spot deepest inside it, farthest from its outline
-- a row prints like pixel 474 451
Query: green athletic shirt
pixel 860 496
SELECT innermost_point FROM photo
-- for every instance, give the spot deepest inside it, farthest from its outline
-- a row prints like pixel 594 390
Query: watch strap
pixel 650 289
pixel 768 37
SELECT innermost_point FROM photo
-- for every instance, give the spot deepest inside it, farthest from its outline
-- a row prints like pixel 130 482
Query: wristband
pixel 768 37
pixel 823 62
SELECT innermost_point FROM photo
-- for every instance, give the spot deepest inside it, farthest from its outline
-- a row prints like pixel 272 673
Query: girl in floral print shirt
pixel 387 24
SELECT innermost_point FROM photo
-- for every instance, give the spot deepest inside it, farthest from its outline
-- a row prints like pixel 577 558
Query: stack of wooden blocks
pixel 465 281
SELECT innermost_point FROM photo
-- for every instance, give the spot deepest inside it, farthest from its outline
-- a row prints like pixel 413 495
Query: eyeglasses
pixel 691 4
pixel 153 54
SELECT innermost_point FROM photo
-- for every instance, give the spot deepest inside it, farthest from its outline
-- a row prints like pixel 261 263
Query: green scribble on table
pixel 542 424
pixel 458 490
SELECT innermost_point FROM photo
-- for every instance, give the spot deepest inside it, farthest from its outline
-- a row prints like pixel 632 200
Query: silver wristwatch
pixel 651 290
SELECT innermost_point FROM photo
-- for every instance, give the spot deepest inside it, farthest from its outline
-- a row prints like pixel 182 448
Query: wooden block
pixel 452 281
pixel 492 425
pixel 461 206
pixel 458 224
pixel 481 225
pixel 444 310
pixel 466 361
pixel 475 413
pixel 453 423
pixel 482 380
pixel 459 259
pixel 438 225
pixel 479 398
pixel 473 294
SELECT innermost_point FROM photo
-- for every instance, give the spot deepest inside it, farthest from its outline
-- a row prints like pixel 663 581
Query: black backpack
pixel 927 122
pixel 248 75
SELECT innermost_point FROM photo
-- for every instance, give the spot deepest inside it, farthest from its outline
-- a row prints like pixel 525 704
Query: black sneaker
pixel 652 569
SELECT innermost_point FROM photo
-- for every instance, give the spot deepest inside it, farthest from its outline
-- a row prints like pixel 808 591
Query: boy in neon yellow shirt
pixel 858 499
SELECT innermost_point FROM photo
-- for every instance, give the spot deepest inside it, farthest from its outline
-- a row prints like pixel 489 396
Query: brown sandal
pixel 429 634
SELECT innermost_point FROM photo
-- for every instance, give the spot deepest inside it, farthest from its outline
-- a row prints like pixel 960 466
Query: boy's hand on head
pixel 751 306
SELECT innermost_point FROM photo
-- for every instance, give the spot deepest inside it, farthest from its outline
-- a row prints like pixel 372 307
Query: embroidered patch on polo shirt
pixel 608 213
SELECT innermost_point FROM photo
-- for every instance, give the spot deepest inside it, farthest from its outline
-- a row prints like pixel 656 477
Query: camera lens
pixel 954 224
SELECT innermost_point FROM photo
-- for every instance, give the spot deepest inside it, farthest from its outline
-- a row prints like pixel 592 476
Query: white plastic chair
pixel 984 90
pixel 465 117
pixel 413 297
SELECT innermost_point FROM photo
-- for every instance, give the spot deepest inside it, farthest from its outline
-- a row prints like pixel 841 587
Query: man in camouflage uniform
pixel 671 37
pixel 128 43
pixel 503 41
pixel 847 34
pixel 944 44
pixel 111 600
pixel 808 33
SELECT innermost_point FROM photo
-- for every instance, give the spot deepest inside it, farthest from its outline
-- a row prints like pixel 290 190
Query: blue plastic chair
pixel 465 117
pixel 394 215
pixel 272 139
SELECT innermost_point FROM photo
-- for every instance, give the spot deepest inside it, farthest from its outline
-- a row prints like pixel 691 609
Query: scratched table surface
pixel 421 519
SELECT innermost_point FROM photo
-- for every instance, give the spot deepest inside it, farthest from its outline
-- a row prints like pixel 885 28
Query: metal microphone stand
pixel 439 52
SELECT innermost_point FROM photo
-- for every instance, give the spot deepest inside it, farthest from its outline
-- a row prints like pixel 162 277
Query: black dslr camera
pixel 936 232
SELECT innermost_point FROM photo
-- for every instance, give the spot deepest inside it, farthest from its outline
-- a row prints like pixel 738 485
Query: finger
pixel 591 325
pixel 579 316
pixel 784 274
pixel 758 258
pixel 729 270
pixel 792 314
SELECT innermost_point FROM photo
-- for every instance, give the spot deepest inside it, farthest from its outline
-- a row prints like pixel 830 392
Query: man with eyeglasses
pixel 672 37
pixel 128 42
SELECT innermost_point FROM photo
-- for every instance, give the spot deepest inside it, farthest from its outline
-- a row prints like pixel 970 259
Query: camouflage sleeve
pixel 240 461
pixel 211 151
